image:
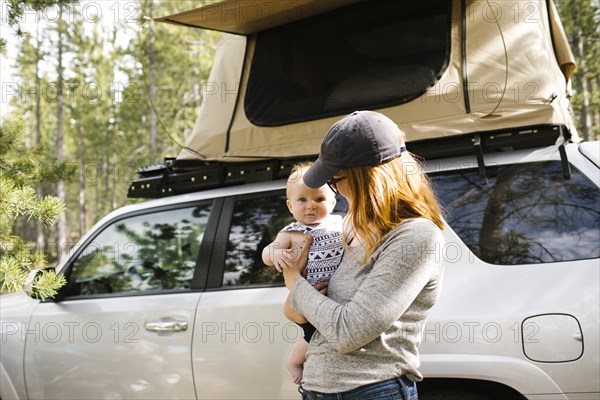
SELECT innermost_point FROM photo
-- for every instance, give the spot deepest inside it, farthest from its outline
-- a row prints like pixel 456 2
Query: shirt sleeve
pixel 404 264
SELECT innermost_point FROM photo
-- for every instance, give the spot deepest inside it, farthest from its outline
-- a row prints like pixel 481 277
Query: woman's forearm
pixel 291 314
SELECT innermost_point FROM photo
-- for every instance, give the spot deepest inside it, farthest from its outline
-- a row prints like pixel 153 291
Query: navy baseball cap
pixel 363 138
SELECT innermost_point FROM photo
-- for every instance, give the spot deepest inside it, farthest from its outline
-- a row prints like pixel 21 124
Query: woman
pixel 369 325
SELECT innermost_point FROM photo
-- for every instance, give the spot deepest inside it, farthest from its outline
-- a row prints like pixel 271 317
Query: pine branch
pixel 18 175
pixel 17 201
pixel 17 260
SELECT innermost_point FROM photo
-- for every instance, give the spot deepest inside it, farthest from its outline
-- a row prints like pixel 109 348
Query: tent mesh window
pixel 370 55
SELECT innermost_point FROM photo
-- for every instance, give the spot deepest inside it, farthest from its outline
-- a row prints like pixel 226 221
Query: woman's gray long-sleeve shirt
pixel 369 326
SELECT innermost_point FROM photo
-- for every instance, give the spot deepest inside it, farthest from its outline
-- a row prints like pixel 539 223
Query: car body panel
pixel 482 309
pixel 484 306
pixel 518 374
pixel 592 151
pixel 15 311
pixel 241 345
pixel 88 347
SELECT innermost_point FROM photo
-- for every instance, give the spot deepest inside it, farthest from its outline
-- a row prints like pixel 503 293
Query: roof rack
pixel 176 177
pixel 185 176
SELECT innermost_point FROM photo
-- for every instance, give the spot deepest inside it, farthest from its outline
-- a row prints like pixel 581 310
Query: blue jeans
pixel 400 388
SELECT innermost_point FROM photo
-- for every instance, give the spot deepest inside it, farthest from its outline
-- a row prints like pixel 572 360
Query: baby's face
pixel 309 206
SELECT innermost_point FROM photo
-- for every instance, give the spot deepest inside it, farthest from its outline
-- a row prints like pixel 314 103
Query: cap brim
pixel 319 174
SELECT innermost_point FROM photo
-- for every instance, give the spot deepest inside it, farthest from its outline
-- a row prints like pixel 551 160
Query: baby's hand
pixel 321 287
pixel 280 254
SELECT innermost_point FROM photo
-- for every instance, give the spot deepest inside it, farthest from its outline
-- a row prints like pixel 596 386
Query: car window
pixel 255 224
pixel 525 214
pixel 364 56
pixel 155 251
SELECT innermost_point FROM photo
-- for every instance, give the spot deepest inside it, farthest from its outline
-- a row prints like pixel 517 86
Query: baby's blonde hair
pixel 298 171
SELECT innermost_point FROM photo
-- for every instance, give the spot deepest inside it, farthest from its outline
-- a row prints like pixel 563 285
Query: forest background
pixel 96 91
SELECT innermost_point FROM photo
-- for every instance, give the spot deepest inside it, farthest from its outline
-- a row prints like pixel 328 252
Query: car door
pixel 241 338
pixel 122 328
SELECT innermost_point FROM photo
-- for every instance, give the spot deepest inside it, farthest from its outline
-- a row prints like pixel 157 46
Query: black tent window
pixel 370 55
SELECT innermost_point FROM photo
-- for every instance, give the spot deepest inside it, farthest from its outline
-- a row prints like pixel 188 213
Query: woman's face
pixel 339 184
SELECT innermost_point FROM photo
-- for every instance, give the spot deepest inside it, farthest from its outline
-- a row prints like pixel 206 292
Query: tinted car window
pixel 146 252
pixel 526 213
pixel 254 225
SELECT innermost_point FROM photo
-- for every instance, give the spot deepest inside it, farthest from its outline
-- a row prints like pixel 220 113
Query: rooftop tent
pixel 284 72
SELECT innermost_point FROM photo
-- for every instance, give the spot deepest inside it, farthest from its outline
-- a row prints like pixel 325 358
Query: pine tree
pixel 18 198
pixel 82 111
pixel 60 156
pixel 110 133
pixel 18 177
pixel 38 55
pixel 29 103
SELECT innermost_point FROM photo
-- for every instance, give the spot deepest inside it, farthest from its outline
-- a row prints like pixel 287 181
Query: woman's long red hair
pixel 385 195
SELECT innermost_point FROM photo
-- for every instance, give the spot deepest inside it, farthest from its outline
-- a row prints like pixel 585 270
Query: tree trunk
pixel 60 157
pixel 105 177
pixel 40 239
pixel 596 89
pixel 81 156
pixel 115 181
pixel 586 117
pixel 97 208
pixel 152 86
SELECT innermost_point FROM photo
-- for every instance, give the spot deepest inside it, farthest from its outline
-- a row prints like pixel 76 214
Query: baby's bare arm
pixel 274 252
pixel 282 241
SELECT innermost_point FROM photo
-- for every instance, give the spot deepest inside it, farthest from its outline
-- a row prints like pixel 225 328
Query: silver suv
pixel 170 299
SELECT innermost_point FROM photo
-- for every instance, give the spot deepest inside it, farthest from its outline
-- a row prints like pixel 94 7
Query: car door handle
pixel 166 325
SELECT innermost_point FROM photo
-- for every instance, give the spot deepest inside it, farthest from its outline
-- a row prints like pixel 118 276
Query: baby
pixel 311 209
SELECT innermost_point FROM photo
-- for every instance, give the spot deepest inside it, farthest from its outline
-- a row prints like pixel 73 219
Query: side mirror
pixel 44 284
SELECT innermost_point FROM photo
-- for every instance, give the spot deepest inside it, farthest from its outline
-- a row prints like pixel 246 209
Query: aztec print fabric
pixel 327 249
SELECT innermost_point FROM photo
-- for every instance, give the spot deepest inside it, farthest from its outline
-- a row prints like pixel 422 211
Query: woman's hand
pixel 294 263
pixel 279 255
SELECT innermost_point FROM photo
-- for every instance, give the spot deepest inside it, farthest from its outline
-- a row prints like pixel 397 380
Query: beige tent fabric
pixel 564 55
pixel 511 61
pixel 514 80
pixel 246 17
